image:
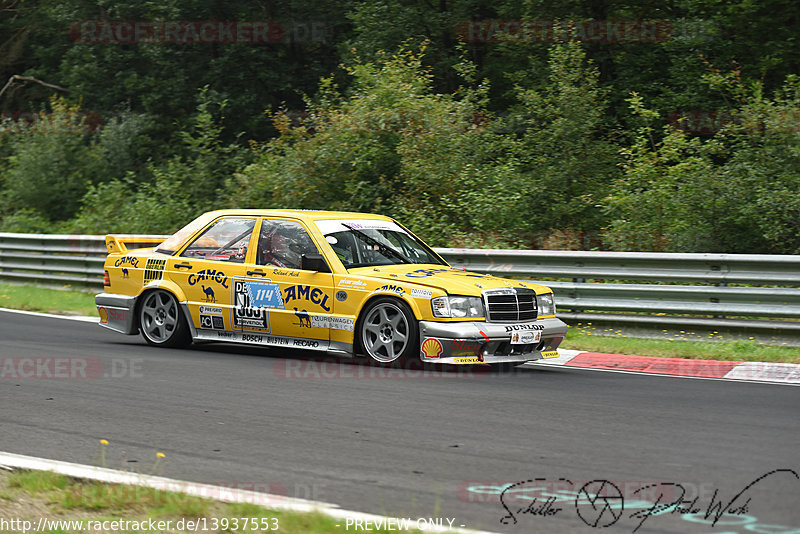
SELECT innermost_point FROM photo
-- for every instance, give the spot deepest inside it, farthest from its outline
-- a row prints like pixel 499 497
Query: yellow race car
pixel 351 284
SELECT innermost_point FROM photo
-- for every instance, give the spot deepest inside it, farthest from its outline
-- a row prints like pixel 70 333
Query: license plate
pixel 526 338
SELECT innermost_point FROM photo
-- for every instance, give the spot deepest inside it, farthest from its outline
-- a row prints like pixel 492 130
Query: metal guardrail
pixel 709 303
pixel 594 291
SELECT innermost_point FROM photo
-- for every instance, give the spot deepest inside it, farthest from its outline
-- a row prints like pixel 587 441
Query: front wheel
pixel 389 332
pixel 161 320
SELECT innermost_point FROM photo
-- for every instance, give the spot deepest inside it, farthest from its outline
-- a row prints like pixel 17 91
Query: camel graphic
pixel 209 294
pixel 305 320
pixel 125 272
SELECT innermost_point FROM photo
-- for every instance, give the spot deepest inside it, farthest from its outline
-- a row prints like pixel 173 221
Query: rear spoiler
pixel 121 243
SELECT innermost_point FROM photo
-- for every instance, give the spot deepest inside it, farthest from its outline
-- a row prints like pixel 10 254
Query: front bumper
pixel 117 312
pixel 481 342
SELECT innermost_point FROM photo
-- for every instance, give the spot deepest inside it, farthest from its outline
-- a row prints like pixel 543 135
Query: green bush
pixel 734 192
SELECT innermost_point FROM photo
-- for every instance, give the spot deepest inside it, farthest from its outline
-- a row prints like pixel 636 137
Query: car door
pixel 299 302
pixel 205 271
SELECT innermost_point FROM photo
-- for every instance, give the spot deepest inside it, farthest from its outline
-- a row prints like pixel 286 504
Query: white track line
pixel 83 318
pixel 207 491
pixel 642 373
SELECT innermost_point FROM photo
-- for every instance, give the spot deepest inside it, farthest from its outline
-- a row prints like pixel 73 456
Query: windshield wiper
pixel 381 246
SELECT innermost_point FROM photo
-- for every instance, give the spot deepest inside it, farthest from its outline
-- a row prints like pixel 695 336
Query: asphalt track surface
pixel 410 444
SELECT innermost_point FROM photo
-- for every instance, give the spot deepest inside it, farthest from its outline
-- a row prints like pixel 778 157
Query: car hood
pixel 449 279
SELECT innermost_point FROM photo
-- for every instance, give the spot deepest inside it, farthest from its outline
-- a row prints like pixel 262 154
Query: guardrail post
pixel 575 296
pixel 719 284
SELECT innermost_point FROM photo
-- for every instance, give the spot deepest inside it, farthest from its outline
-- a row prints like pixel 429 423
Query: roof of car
pixel 300 214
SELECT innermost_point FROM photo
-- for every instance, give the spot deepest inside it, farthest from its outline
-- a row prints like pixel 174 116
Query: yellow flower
pixel 103 442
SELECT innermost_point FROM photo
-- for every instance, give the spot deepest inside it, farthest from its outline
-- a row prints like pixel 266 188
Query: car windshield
pixel 368 242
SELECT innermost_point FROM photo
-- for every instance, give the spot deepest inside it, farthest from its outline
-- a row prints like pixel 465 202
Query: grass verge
pixel 48 300
pixel 31 495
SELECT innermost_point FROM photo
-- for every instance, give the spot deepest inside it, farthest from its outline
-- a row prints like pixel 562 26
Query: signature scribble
pixel 600 503
pixel 716 508
pixel 605 503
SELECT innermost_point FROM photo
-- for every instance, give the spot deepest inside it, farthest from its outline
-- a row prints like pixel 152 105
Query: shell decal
pixel 431 348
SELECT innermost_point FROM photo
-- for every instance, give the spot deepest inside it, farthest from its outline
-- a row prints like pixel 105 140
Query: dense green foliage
pixel 678 134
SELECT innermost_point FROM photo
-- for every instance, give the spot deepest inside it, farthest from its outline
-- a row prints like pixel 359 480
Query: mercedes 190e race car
pixel 347 283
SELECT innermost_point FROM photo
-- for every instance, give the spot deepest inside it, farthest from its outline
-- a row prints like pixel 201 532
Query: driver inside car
pixel 284 246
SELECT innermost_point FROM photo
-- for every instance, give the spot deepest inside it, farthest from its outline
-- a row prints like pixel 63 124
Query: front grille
pixel 510 305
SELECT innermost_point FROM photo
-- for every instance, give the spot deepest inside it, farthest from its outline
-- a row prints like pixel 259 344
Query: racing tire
pixel 388 333
pixel 161 320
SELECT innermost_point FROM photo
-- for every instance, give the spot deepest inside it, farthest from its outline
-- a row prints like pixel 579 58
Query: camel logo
pixel 210 275
pixel 125 272
pixel 209 293
pixel 305 320
pixel 127 260
pixel 315 295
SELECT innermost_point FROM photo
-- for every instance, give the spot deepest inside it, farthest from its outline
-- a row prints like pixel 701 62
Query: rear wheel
pixel 161 320
pixel 389 332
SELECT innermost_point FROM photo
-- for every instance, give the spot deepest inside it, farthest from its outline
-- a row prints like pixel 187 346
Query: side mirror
pixel 314 262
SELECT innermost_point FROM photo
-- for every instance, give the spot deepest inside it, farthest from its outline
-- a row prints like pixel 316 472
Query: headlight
pixel 457 307
pixel 547 304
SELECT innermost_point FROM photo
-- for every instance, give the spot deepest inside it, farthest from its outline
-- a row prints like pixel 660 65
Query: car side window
pixel 225 240
pixel 283 243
